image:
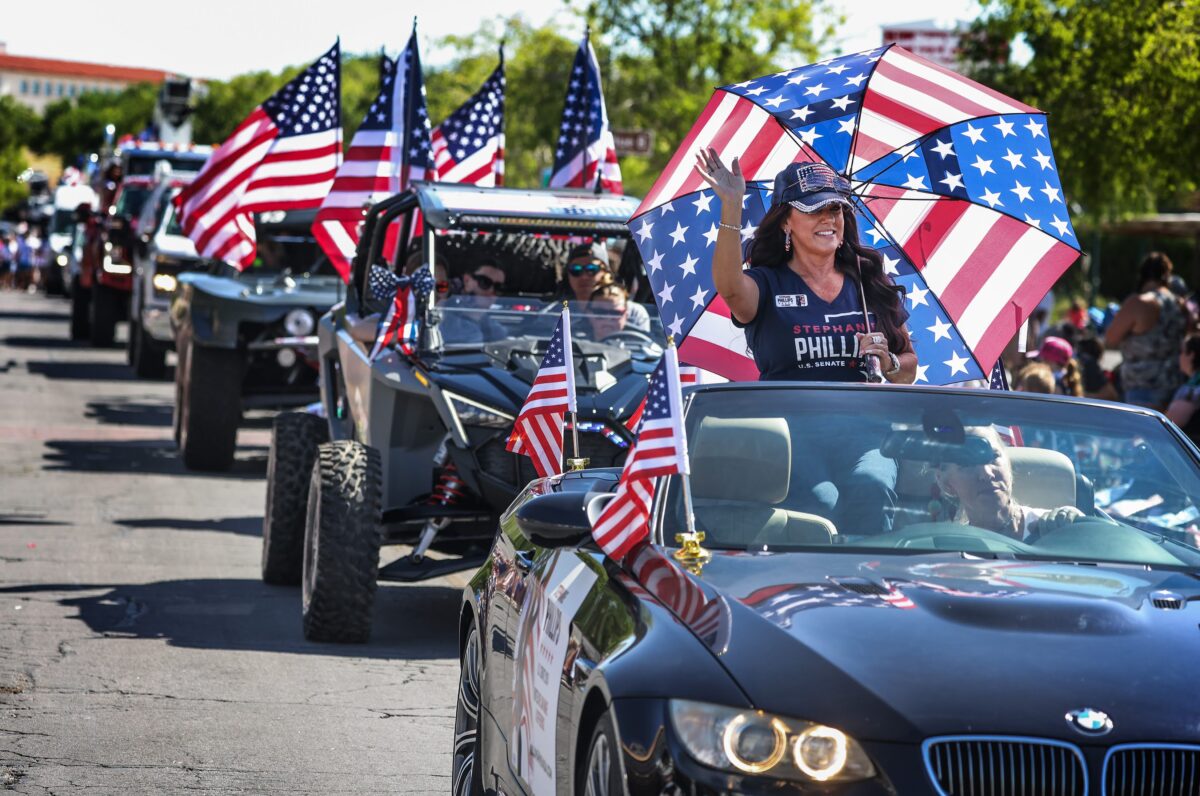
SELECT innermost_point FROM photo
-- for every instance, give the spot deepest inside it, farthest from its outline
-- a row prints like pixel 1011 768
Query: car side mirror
pixel 557 519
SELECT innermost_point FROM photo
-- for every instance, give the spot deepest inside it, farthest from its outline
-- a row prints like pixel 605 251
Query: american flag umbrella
pixel 954 184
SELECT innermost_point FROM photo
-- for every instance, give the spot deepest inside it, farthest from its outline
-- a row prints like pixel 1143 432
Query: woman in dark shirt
pixel 802 305
pixel 801 301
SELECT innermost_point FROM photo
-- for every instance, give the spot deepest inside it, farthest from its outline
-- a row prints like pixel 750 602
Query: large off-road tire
pixel 148 358
pixel 105 310
pixel 341 543
pixel 294 440
pixel 81 299
pixel 466 772
pixel 210 407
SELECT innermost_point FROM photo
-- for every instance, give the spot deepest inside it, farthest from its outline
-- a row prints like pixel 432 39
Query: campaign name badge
pixel 792 300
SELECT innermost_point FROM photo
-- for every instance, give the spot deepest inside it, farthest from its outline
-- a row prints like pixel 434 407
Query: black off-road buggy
pixel 412 446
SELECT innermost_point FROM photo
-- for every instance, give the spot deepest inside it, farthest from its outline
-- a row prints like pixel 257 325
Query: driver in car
pixel 468 322
pixel 983 496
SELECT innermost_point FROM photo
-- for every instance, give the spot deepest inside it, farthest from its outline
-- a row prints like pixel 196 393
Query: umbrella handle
pixel 871 364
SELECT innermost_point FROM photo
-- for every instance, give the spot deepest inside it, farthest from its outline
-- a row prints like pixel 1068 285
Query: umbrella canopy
pixel 953 183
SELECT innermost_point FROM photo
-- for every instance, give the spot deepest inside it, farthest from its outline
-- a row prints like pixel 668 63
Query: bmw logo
pixel 1089 721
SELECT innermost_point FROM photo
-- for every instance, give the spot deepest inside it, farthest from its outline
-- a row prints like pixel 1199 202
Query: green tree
pixel 1120 80
pixel 19 126
pixel 12 163
pixel 72 127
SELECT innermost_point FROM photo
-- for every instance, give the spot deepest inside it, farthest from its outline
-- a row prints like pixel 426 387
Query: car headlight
pixel 164 283
pixel 61 260
pixel 472 413
pixel 299 323
pixel 754 742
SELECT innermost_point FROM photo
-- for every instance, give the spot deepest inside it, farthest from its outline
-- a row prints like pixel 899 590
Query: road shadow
pixel 411 622
pixel 81 371
pixel 25 518
pixel 46 317
pixel 129 413
pixel 158 457
pixel 242 526
pixel 40 342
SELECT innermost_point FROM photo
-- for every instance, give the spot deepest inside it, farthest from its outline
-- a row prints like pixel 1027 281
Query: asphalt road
pixel 139 650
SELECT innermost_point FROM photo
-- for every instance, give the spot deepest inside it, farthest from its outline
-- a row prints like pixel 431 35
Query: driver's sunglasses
pixel 577 269
pixel 486 282
pixel 608 312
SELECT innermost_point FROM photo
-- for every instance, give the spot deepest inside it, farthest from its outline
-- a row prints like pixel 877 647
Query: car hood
pixel 319 292
pixel 906 647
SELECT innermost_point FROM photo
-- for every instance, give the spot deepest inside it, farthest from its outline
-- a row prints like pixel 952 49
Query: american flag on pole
pixel 585 155
pixel 687 375
pixel 954 186
pixel 660 450
pixel 468 147
pixel 538 430
pixel 389 150
pixel 283 156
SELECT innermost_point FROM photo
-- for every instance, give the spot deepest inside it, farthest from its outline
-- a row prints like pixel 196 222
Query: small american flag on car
pixel 660 450
pixel 538 429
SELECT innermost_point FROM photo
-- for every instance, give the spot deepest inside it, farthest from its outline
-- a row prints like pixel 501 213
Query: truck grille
pixel 518 470
pixel 1152 771
pixel 980 766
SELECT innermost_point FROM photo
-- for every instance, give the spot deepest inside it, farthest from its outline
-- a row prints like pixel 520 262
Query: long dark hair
pixel 884 298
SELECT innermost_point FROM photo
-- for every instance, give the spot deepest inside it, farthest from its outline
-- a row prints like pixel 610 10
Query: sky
pixel 229 37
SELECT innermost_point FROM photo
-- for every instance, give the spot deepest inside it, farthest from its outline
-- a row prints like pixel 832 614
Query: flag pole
pixel 686 479
pixel 578 462
pixel 690 551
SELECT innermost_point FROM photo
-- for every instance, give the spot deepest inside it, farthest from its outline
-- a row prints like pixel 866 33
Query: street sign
pixel 633 142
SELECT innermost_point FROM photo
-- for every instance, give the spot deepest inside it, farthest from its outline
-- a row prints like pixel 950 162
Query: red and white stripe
pixel 734 126
pixel 252 171
pixel 668 583
pixel 484 167
pixel 538 430
pixel 908 97
pixel 399 326
pixel 369 174
pixel 989 270
pixel 660 450
pixel 600 157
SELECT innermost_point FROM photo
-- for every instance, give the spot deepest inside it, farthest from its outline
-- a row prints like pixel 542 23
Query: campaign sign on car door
pixel 552 599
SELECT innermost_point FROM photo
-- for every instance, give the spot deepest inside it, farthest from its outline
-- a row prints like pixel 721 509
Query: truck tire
pixel 210 407
pixel 81 299
pixel 341 543
pixel 294 440
pixel 148 358
pixel 105 310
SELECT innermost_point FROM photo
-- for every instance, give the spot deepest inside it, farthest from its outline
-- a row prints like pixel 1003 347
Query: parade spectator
pixel 1148 330
pixel 1183 406
pixel 1035 377
pixel 1097 383
pixel 24 260
pixel 1077 315
pixel 1059 355
pixel 8 254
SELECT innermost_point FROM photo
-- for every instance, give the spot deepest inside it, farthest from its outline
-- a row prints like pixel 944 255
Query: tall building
pixel 37 82
pixel 927 39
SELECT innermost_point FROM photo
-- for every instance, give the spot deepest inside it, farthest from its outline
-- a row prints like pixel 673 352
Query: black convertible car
pixel 899 591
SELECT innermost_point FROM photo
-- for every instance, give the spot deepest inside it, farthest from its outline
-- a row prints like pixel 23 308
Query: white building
pixel 37 82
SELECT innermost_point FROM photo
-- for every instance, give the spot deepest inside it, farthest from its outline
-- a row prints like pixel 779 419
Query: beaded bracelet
pixel 733 227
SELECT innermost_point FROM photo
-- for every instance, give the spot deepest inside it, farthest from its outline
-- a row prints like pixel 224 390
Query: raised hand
pixel 728 183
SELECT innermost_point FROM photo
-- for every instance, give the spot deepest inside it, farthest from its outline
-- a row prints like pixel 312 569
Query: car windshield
pixel 131 200
pixel 466 321
pixel 909 470
pixel 280 250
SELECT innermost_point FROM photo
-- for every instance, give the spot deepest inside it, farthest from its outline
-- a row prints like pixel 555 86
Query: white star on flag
pixel 655 262
pixel 1014 159
pixel 688 266
pixel 1060 225
pixel 702 202
pixel 944 148
pixel 680 233
pixel 952 181
pixel 956 363
pixel 974 133
pixel 1021 191
pixel 1051 193
pixel 915 183
pixel 815 90
pixel 918 296
pixel 889 265
pixel 984 166
pixel 921 370
pixel 1043 160
pixel 664 295
pixel 992 198
pixel 1035 129
pixel 644 231
pixel 699 297
pixel 940 329
pixel 841 103
pixel 711 235
pixel 1005 127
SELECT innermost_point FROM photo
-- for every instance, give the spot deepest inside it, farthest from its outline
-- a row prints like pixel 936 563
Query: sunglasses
pixel 607 312
pixel 577 269
pixel 486 282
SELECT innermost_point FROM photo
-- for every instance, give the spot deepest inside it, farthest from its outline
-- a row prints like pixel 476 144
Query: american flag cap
pixel 953 184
